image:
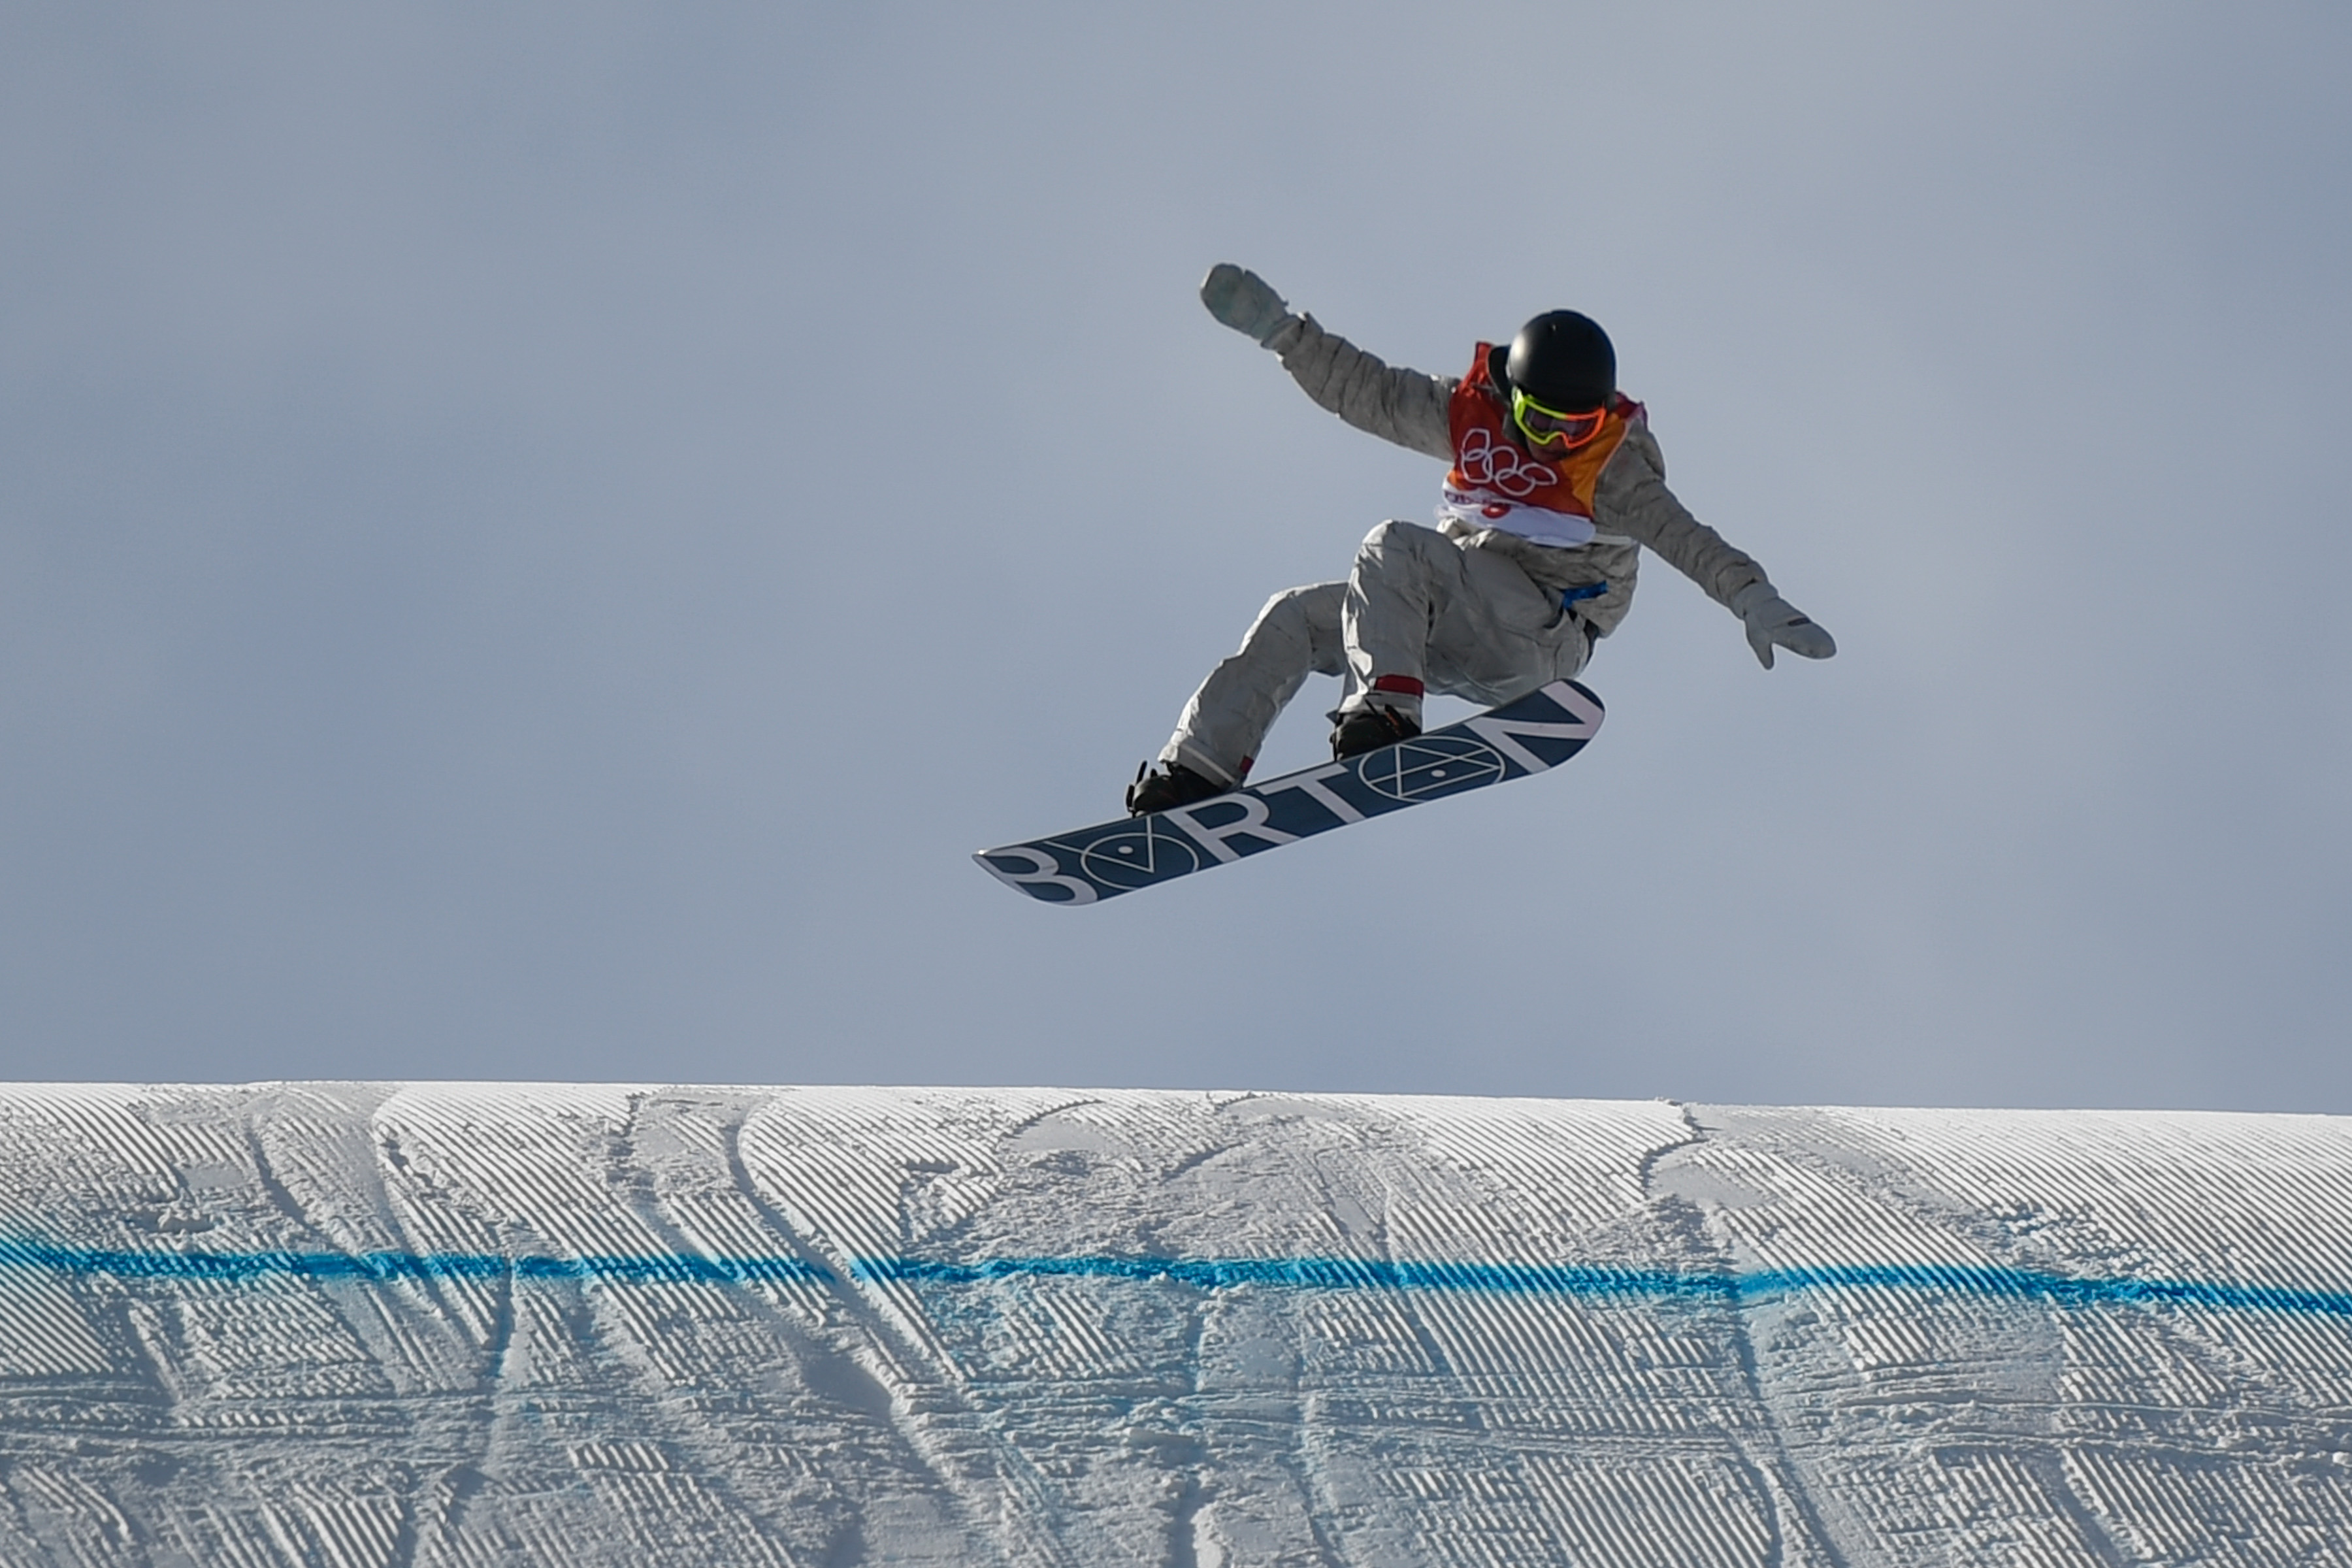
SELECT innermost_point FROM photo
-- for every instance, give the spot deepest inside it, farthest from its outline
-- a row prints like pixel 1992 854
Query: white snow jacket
pixel 1632 506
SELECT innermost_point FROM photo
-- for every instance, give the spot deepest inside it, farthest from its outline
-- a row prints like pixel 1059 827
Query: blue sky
pixel 534 543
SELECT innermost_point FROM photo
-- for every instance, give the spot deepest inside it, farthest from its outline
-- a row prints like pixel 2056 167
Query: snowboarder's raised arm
pixel 1633 499
pixel 1405 406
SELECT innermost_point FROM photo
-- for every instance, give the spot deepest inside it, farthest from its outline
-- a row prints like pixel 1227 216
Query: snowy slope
pixel 370 1324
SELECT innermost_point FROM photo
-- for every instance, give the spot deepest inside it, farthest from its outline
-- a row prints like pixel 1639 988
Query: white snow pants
pixel 1418 610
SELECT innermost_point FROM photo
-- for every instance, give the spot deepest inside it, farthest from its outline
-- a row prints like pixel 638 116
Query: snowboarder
pixel 1554 484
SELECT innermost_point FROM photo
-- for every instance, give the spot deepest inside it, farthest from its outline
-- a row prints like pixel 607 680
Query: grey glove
pixel 1773 622
pixel 1244 301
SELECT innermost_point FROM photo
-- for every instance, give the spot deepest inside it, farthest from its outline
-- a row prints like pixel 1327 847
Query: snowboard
pixel 1538 731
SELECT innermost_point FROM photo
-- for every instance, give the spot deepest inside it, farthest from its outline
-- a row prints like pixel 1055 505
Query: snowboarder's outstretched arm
pixel 1634 500
pixel 1405 406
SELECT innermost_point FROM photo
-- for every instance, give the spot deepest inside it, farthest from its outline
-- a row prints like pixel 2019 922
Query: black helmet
pixel 1563 360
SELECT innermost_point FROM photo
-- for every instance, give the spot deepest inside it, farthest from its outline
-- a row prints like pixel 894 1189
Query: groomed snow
pixel 362 1325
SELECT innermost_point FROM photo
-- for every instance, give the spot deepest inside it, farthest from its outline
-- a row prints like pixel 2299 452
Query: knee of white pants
pixel 1397 538
pixel 1307 617
pixel 1291 611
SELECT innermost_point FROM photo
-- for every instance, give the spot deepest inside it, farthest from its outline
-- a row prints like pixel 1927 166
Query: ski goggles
pixel 1550 426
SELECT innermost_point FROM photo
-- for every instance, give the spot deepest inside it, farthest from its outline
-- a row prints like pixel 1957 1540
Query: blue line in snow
pixel 380 1268
pixel 1576 1280
pixel 1579 1280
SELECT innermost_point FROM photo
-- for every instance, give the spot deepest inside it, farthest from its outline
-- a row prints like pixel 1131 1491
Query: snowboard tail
pixel 1537 732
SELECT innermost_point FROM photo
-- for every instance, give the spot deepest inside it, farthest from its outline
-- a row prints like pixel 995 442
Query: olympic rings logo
pixel 1487 462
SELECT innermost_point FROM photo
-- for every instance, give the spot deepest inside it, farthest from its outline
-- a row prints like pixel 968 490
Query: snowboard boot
pixel 1170 784
pixel 1367 729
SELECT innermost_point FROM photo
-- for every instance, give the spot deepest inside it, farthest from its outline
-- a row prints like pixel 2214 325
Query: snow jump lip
pixel 1531 735
pixel 679 1323
pixel 1324 1274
